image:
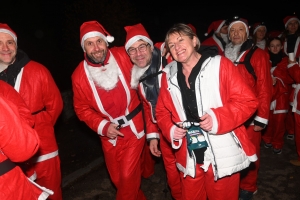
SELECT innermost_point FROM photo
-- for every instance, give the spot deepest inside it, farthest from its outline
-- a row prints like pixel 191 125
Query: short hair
pixel 181 29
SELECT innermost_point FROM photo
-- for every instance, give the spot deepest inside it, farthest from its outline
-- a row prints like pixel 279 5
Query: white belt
pixel 45 157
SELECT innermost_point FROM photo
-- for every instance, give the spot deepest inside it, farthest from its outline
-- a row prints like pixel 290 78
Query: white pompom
pixel 110 39
pixel 206 34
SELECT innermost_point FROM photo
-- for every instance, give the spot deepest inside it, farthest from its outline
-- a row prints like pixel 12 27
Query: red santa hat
pixel 257 25
pixel 135 33
pixel 274 34
pixel 92 29
pixel 4 28
pixel 288 19
pixel 235 20
pixel 215 26
pixel 193 28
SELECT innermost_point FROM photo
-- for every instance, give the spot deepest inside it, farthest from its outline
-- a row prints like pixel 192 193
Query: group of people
pixel 204 107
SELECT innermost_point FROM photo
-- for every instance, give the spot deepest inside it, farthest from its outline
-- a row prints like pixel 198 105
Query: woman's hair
pixel 181 29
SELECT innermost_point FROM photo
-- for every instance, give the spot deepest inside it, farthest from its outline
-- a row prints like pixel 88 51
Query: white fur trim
pixel 92 34
pixel 10 33
pixel 220 26
pixel 110 38
pixel 136 38
pixel 293 18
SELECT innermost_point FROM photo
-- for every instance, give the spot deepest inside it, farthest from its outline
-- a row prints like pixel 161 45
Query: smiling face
pixel 8 49
pixel 96 48
pixel 181 47
pixel 238 33
pixel 140 53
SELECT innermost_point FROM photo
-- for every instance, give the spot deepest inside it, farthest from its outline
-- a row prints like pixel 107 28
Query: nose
pixel 4 47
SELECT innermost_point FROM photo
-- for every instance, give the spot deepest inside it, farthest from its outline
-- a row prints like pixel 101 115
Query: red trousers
pixel 124 166
pixel 173 174
pixel 290 122
pixel 274 132
pixel 203 186
pixel 49 176
pixel 297 133
pixel 249 175
pixel 147 162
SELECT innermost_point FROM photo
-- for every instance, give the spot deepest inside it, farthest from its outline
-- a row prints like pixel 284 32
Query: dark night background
pixel 48 31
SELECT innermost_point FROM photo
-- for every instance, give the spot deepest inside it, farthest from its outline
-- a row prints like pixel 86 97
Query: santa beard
pixel 136 74
pixel 232 51
pixel 105 77
pixel 261 44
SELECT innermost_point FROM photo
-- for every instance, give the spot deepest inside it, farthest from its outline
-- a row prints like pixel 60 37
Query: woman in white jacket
pixel 202 105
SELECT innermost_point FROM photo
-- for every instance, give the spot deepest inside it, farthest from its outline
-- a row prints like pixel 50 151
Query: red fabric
pixel 203 186
pixel 275 130
pixel 123 164
pixel 262 87
pixel 18 142
pixel 122 160
pixel 214 41
pixel 147 162
pixel 39 90
pixel 249 175
pixel 230 91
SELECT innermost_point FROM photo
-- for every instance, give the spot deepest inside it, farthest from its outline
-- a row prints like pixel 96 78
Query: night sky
pixel 48 31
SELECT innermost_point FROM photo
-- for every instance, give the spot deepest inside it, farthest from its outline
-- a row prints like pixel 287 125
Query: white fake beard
pixel 136 74
pixel 261 44
pixel 105 77
pixel 232 51
pixel 225 37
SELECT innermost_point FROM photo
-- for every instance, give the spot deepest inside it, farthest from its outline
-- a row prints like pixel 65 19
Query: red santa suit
pixel 37 88
pixel 262 88
pixel 214 41
pixel 294 71
pixel 18 142
pixel 274 132
pixel 152 131
pixel 230 102
pixel 98 108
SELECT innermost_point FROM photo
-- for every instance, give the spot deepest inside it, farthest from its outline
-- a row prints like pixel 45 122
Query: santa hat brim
pixel 10 33
pixel 92 34
pixel 135 38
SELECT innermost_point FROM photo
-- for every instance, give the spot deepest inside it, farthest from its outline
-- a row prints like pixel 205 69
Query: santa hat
pixel 215 26
pixel 193 28
pixel 258 25
pixel 92 29
pixel 160 46
pixel 4 28
pixel 235 20
pixel 288 19
pixel 274 34
pixel 135 33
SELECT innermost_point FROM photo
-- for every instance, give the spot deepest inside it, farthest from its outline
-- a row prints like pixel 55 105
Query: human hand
pixel 206 122
pixel 257 128
pixel 113 132
pixel 179 133
pixel 153 146
pixel 274 81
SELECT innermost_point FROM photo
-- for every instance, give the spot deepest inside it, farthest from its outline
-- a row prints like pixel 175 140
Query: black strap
pixel 132 114
pixel 38 111
pixel 151 76
pixel 6 166
pixel 247 62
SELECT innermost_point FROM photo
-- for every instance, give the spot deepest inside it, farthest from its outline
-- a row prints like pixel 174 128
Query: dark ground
pixel 79 146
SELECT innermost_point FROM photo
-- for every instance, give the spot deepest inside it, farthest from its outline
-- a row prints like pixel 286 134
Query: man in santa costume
pixel 291 47
pixel 36 86
pixel 219 37
pixel 146 74
pixel 18 142
pixel 104 100
pixel 261 84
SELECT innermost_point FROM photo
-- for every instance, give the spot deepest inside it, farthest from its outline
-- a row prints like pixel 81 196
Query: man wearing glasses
pixel 146 73
pixel 104 100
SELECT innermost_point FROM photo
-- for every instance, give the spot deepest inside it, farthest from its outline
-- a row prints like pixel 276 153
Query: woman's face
pixel 275 46
pixel 292 26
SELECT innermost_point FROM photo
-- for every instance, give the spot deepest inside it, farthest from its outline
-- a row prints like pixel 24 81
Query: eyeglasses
pixel 141 48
